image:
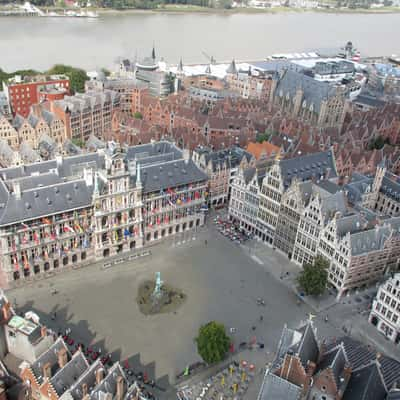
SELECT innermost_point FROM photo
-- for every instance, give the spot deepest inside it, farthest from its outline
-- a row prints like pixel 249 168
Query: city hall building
pixel 75 210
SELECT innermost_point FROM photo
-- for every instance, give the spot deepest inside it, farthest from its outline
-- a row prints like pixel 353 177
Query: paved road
pixel 221 280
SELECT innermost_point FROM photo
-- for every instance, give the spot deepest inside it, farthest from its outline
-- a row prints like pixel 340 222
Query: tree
pixel 314 276
pixel 77 76
pixel 106 72
pixel 378 143
pixel 78 142
pixel 212 342
pixel 138 115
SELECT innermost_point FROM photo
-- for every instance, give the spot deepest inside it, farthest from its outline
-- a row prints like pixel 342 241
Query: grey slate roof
pixel 157 177
pixel 88 378
pixel 358 186
pixel 36 181
pixel 42 201
pixel 232 157
pixel 369 240
pixel 314 91
pixel 49 356
pixel 369 100
pixel 328 186
pixel 152 149
pixel 289 338
pixel 48 116
pixel 248 174
pixel 310 166
pixel 335 360
pixel 306 190
pixel 94 143
pixel 65 377
pixel 308 349
pixel 349 224
pixel 6 153
pixel 71 149
pixel 360 355
pixel 33 120
pixel 18 121
pixel 276 388
pixel 390 187
pixel 365 384
pixel 109 383
pixel 332 204
pixel 394 394
pixel 28 155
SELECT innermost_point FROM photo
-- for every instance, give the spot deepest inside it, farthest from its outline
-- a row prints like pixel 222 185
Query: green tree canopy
pixel 314 276
pixel 378 143
pixel 77 76
pixel 212 342
pixel 138 115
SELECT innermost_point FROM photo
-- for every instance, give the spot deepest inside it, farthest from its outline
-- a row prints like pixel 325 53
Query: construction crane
pixel 211 59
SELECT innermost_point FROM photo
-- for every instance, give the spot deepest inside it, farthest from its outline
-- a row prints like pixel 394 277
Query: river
pixel 33 42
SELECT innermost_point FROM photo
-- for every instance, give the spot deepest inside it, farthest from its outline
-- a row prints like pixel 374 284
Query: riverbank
pixel 182 9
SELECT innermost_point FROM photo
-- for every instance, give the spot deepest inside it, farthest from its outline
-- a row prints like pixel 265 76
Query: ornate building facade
pixel 385 311
pixel 74 210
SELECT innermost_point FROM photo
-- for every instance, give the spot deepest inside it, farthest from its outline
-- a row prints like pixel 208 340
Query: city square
pixel 221 280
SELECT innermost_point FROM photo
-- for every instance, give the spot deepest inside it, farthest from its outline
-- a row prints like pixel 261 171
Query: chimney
pixel 84 390
pixel 6 311
pixel 47 370
pixel 99 375
pixel 59 160
pixel 120 388
pixel 186 155
pixel 347 373
pixel 62 357
pixel 17 190
pixel 43 331
pixel 311 366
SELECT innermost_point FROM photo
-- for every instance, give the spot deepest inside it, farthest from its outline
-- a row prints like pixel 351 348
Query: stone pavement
pixel 221 283
pixel 348 315
pixel 256 357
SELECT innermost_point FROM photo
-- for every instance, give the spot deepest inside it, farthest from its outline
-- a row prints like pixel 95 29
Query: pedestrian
pixel 261 317
pixel 205 242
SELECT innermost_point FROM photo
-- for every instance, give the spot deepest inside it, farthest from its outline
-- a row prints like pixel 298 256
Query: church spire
pixel 232 68
pixel 153 52
pixel 180 65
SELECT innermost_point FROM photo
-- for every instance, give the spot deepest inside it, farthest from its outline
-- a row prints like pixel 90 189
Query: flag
pixel 16 266
pixel 25 226
pixel 67 228
pixel 166 219
pixel 158 221
pixel 186 372
pixel 35 237
pixel 126 232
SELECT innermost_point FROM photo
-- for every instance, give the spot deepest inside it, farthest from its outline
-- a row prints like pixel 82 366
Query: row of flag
pixel 61 250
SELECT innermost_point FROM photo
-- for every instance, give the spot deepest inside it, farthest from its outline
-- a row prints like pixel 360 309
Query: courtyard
pixel 222 281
